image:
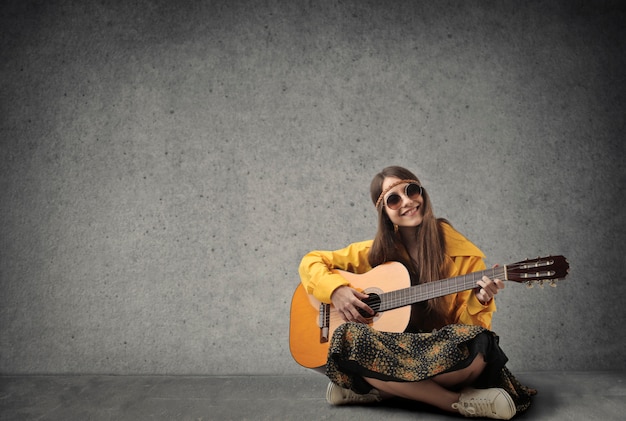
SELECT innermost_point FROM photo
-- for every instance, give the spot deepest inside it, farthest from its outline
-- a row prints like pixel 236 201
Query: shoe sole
pixel 329 389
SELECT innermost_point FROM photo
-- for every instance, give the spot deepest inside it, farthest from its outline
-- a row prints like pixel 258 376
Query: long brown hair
pixel 388 245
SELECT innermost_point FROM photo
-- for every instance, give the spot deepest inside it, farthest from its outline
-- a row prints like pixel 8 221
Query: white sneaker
pixel 336 395
pixel 489 403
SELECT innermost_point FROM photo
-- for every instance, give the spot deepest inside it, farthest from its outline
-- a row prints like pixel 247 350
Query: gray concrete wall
pixel 165 165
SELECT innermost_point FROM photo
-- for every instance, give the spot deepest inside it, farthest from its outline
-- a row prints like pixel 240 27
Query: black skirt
pixel 357 351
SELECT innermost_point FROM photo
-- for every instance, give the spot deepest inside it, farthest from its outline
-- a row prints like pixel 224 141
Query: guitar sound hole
pixel 373 301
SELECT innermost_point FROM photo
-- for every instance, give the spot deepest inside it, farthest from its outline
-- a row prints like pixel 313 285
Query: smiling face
pixel 410 213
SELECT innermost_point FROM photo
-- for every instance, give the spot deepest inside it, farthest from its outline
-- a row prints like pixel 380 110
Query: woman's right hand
pixel 347 301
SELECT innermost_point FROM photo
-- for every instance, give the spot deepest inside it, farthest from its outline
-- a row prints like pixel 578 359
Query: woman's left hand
pixel 488 288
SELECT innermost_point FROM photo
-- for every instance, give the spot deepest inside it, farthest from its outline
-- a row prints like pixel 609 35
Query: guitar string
pixel 422 292
pixel 425 291
pixel 437 287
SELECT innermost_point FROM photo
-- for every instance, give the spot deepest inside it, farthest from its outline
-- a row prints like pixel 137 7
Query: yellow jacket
pixel 465 257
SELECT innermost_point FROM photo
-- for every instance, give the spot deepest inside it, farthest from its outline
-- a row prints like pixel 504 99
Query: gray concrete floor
pixel 562 396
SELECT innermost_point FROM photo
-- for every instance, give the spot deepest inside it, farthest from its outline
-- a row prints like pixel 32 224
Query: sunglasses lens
pixel 413 191
pixel 393 201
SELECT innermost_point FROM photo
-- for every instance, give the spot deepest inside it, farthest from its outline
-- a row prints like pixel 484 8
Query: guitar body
pixel 305 340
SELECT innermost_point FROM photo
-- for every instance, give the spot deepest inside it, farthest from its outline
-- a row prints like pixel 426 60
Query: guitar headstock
pixel 540 270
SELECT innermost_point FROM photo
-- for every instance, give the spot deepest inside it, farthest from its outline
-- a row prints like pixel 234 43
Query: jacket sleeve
pixel 316 268
pixel 468 310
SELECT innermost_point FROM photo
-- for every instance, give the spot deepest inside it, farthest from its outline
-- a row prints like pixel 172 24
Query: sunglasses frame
pixel 406 194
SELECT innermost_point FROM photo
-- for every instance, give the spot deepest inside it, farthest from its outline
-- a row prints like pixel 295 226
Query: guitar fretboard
pixel 428 290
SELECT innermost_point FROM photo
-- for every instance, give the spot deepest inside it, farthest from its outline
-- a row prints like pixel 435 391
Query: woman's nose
pixel 406 199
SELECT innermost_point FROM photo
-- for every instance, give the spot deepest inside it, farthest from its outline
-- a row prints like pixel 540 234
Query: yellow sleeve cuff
pixel 474 306
pixel 325 288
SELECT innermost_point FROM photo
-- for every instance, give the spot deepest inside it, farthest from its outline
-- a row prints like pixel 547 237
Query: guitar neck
pixel 418 293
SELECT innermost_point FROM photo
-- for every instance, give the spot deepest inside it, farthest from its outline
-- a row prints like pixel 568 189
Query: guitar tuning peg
pixel 529 285
pixel 553 283
pixel 541 284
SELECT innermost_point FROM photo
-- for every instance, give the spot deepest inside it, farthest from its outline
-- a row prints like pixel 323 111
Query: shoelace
pixel 476 406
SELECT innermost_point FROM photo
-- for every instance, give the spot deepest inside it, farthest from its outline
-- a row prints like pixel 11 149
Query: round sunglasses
pixel 411 190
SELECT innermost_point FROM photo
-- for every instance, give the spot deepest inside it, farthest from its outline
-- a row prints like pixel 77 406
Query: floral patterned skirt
pixel 357 351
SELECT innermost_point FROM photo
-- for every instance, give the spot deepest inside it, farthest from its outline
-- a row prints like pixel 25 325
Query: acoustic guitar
pixel 312 323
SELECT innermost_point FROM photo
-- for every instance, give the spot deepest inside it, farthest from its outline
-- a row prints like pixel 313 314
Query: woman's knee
pixel 479 363
pixel 476 368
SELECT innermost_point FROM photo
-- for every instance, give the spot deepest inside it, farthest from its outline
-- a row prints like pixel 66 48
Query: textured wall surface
pixel 165 165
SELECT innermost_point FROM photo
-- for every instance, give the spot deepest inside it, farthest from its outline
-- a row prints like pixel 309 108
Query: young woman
pixel 447 357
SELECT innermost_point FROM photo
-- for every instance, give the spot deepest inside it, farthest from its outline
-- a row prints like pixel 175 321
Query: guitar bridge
pixel 324 322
